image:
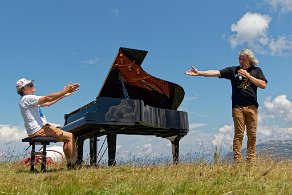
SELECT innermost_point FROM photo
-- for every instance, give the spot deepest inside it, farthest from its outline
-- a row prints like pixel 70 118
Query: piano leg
pixel 93 150
pixel 111 144
pixel 175 150
pixel 80 142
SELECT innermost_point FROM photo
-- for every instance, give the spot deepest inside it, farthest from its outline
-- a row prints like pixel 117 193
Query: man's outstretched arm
pixel 54 97
pixel 207 73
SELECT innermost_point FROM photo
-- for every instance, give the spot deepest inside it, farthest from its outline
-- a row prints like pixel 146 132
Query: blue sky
pixel 55 42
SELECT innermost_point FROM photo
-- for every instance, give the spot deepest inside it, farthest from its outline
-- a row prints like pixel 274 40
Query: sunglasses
pixel 30 85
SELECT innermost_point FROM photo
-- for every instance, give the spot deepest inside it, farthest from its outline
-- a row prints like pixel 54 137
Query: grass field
pixel 261 177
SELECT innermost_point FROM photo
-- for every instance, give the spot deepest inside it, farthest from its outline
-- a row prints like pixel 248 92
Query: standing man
pixel 245 79
pixel 35 122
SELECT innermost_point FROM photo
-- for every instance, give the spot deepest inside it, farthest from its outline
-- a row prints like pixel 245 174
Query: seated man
pixel 35 122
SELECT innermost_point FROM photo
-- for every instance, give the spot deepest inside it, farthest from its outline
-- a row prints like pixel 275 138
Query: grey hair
pixel 250 55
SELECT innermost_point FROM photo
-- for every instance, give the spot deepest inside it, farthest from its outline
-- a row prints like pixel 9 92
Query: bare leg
pixel 69 146
pixel 66 137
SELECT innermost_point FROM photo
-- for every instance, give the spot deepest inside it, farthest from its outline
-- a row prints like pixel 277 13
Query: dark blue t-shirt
pixel 244 92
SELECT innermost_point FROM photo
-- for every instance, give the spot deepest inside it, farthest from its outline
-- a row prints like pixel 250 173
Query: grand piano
pixel 130 102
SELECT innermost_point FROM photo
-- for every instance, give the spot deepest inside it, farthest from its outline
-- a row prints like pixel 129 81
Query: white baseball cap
pixel 21 83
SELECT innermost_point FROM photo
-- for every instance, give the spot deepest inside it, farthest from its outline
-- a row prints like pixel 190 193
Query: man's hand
pixel 70 88
pixel 192 72
pixel 67 94
pixel 244 73
pixel 257 82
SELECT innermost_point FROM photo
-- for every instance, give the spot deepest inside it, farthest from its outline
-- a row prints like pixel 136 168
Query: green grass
pixel 261 177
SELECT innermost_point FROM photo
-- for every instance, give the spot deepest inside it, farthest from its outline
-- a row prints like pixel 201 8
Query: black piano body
pixel 131 102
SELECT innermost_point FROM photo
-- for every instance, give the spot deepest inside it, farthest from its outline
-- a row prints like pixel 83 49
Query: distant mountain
pixel 167 160
pixel 278 149
pixel 275 149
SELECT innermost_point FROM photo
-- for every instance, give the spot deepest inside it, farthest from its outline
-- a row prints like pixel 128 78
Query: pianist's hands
pixel 71 88
pixel 192 72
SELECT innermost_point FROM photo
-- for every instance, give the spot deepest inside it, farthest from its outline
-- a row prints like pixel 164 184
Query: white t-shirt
pixel 31 112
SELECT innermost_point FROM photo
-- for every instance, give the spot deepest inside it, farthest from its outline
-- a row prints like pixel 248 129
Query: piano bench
pixel 39 140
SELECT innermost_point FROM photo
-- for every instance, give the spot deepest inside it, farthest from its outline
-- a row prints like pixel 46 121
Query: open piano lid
pixel 127 79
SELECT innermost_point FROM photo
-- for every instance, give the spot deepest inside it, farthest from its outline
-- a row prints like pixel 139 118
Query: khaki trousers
pixel 246 116
pixel 49 130
pixel 69 140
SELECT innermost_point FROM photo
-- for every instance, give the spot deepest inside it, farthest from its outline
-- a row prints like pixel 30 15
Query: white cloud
pixel 224 137
pixel 275 113
pixel 193 126
pixel 141 146
pixel 10 133
pixel 93 61
pixel 274 133
pixel 280 45
pixel 146 149
pixel 285 131
pixel 190 98
pixel 252 29
pixel 279 107
pixel 281 5
pixel 265 131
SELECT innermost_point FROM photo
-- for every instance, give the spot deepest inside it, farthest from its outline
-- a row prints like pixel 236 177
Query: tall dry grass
pixel 262 177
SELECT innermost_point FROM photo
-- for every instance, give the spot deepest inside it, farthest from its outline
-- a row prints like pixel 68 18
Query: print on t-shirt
pixel 244 84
